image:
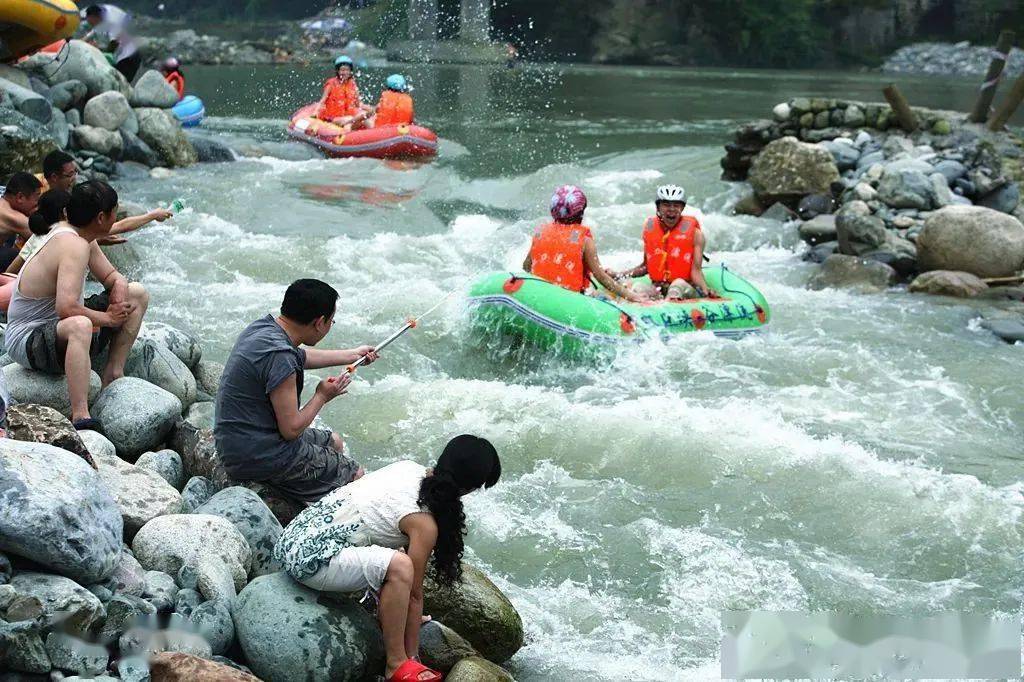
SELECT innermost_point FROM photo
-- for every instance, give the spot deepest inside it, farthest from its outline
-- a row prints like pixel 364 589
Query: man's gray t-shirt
pixel 248 441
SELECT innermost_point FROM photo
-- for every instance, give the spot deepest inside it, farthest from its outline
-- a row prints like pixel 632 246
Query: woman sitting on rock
pixel 378 532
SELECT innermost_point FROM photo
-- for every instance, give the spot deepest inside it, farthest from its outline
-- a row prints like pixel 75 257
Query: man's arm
pixel 74 259
pixel 13 221
pixel 697 272
pixel 317 358
pixel 107 275
pixel 292 421
pixel 590 256
pixel 636 271
pixel 135 222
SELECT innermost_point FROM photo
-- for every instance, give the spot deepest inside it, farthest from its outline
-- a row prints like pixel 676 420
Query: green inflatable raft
pixel 519 304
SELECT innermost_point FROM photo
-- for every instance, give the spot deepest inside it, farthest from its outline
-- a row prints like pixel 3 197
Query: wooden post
pixel 904 115
pixel 1008 107
pixel 979 114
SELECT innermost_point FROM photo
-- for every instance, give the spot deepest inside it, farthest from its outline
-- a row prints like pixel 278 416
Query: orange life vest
pixel 395 108
pixel 177 81
pixel 342 99
pixel 669 253
pixel 557 255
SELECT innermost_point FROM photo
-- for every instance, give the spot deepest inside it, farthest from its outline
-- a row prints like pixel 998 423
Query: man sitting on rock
pixel 51 326
pixel 262 433
pixel 19 201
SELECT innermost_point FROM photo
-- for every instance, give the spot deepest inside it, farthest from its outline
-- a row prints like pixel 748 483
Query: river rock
pixel 141 494
pixel 1004 199
pixel 160 130
pixel 821 228
pixel 152 90
pixel 210 151
pixel 107 110
pixel 179 667
pixel 289 632
pixel 905 189
pixel 815 204
pixel 60 130
pixel 787 169
pixel 283 508
pixel 169 542
pixel 441 647
pixel 213 621
pixel 253 519
pixel 41 424
pixel 158 365
pixel 972 239
pixel 208 376
pixel 941 194
pixel 56 511
pixel 196 493
pixel 779 211
pixel 857 230
pixel 781 112
pixel 184 345
pixel 951 170
pixel 22 649
pixel 136 415
pixel 5 569
pixel 898 253
pixel 125 612
pixel 1009 329
pixel 842 271
pixel 201 415
pixel 64 602
pixel 160 590
pixel 29 386
pixel 30 103
pixel 24 142
pixel 198 451
pixel 85 63
pixel 74 655
pixel 166 464
pixel 125 258
pixel 131 125
pixel 105 142
pixel 948 283
pixel 478 611
pixel 476 669
pixel 68 94
pixel 187 601
pixel 843 152
pixel 129 577
pixel 135 150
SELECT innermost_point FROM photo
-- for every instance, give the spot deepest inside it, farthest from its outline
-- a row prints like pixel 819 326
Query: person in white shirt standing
pixel 111 29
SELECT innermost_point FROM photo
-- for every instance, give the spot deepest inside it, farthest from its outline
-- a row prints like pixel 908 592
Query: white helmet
pixel 670 193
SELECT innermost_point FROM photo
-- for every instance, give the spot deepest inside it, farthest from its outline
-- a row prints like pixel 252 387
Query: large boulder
pixel 30 386
pixel 184 345
pixel 476 669
pixel 209 150
pixel 948 283
pixel 107 110
pixel 60 130
pixel 441 647
pixel 477 610
pixel 290 632
pixel 136 415
pixel 152 90
pixel 56 511
pixel 125 258
pixel 155 363
pixel 24 143
pixel 906 188
pixel 142 495
pixel 860 274
pixel 787 169
pixel 64 602
pixel 41 424
pixel 28 102
pixel 81 62
pixel 99 140
pixel 160 130
pixel 134 149
pixel 972 239
pixel 22 650
pixel 179 667
pixel 210 544
pixel 253 519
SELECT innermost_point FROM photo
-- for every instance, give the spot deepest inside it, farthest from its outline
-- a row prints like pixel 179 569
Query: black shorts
pixel 42 346
pixel 316 469
pixel 129 66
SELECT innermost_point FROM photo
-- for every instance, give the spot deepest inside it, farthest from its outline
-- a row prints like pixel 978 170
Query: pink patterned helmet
pixel 568 203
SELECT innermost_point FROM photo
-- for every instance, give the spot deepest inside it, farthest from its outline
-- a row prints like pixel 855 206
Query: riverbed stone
pixel 477 610
pixel 152 90
pixel 82 62
pixel 64 601
pixel 30 386
pixel 787 169
pixel 821 228
pixel 74 655
pixel 160 130
pixel 41 424
pixel 213 621
pixel 201 415
pixel 905 188
pixel 68 94
pixel 196 493
pixel 898 253
pixel 166 464
pixel 477 669
pixel 181 667
pixel 288 632
pixel 158 365
pixel 208 375
pixel 209 150
pixel 850 272
pixel 125 612
pixel 161 590
pixel 107 110
pixel 60 130
pixel 141 494
pixel 56 511
pixel 1003 199
pixel 23 141
pixel 941 193
pixel 857 230
pixel 105 142
pixel 441 647
pixel 133 149
pixel 185 346
pixel 198 451
pixel 253 519
pixel 844 153
pixel 951 170
pixel 22 650
pixel 27 101
pixel 129 577
pixel 187 601
pixel 948 283
pixel 1007 328
pixel 974 239
pixel 136 415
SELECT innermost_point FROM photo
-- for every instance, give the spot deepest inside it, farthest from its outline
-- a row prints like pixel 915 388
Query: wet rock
pixel 29 386
pixel 210 151
pixel 133 669
pixel 815 204
pixel 253 519
pixel 787 169
pixel 899 254
pixel 820 229
pixel 160 130
pixel 951 170
pixel 199 454
pixel 108 110
pixel 125 612
pixel 441 647
pixel 5 569
pixel 1009 329
pixel 905 189
pixel 288 631
pixel 1004 199
pixel 74 655
pixel 59 130
pixel 160 590
pixel 125 258
pixel 155 363
pixel 56 511
pixel 940 190
pixel 152 90
pixel 972 239
pixel 196 493
pixel 200 540
pixel 476 669
pixel 24 142
pixel 850 272
pixel 84 63
pixel 748 205
pixel 200 415
pixel 166 464
pixel 843 152
pixel 870 159
pixel 854 116
pixel 135 150
pixel 129 577
pixel 64 602
pixel 208 375
pixel 857 230
pixel 41 424
pixel 948 283
pixel 136 415
pixel 26 101
pixel 781 112
pixel 213 621
pixel 779 211
pixel 22 649
pixel 185 346
pixel 477 610
pixel 179 667
pixel 105 142
pixel 187 601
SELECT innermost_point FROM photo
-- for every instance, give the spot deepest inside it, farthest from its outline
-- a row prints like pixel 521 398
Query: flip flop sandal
pixel 411 671
pixel 89 424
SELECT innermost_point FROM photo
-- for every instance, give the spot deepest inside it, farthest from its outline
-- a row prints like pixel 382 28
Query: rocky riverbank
pixel 950 59
pixel 938 208
pixel 132 556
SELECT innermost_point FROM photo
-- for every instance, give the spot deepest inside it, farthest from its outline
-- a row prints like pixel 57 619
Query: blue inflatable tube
pixel 190 111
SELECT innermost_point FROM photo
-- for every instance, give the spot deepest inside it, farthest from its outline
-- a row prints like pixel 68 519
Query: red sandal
pixel 411 670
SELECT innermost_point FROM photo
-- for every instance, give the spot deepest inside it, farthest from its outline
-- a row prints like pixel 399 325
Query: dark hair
pixel 467 463
pixel 54 162
pixel 88 200
pixel 22 183
pixel 51 207
pixel 309 299
pixel 94 11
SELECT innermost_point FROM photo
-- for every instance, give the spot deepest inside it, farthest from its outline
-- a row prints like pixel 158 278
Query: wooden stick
pixel 904 115
pixel 979 114
pixel 1008 107
pixel 1016 279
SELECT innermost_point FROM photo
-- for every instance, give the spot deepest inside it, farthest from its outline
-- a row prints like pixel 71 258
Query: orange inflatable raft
pixel 385 142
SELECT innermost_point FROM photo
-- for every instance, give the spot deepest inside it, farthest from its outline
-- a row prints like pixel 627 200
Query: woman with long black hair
pixel 378 533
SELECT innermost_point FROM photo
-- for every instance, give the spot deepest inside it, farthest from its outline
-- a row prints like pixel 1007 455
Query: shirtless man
pixel 19 202
pixel 51 327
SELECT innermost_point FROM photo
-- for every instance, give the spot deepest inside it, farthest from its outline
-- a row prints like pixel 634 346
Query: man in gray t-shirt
pixel 262 432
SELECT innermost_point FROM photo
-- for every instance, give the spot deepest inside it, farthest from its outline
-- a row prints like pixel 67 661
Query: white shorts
pixel 353 569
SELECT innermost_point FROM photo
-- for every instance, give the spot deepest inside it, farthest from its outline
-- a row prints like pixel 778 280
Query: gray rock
pixel 73 117
pixel 819 229
pixel 841 271
pixel 869 159
pixel 28 102
pixel 208 376
pixel 29 386
pixel 477 669
pixel 779 211
pixel 905 189
pixel 188 578
pixel 787 169
pixel 1008 329
pixel 107 110
pixel 5 569
pixel 995 241
pixel 60 130
pixel 948 283
pixel 131 124
pixel 16 75
pixel 56 511
pixel 41 424
pixel 951 170
pixel 198 451
pixel 152 90
pixel 940 190
pixel 24 142
pixel 155 363
pixel 290 632
pixel 210 151
pixel 200 540
pixel 160 590
pixel 1004 199
pixel 22 649
pixel 441 647
pixel 68 94
pixel 125 612
pixel 74 655
pixel 133 669
pixel 253 519
pixel 185 346
pixel 845 155
pixel 201 415
pixel 102 592
pixel 161 131
pixel 854 116
pixel 64 602
pixel 125 258
pixel 105 142
pixel 187 601
pixel 213 621
pixel 815 204
pixel 136 415
pixel 129 577
pixel 166 464
pixel 898 253
pixel 84 63
pixel 857 230
pixel 135 150
pixel 864 191
pixel 196 493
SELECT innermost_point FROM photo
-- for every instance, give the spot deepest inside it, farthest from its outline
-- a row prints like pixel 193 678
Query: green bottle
pixel 176 206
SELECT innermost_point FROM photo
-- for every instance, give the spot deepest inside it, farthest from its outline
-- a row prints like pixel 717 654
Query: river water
pixel 864 455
